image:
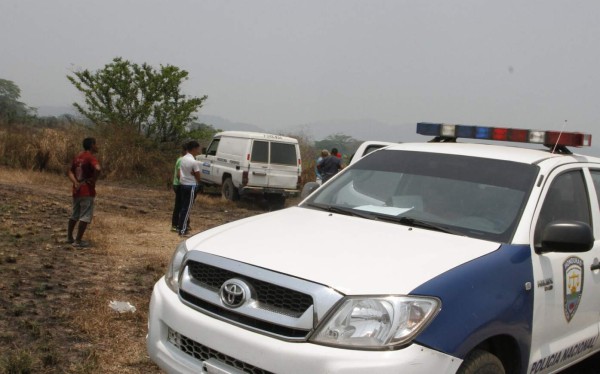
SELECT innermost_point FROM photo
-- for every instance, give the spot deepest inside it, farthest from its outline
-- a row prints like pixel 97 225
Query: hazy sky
pixel 519 63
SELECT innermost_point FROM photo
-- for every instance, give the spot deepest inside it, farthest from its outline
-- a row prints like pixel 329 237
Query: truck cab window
pixel 596 179
pixel 567 199
pixel 212 148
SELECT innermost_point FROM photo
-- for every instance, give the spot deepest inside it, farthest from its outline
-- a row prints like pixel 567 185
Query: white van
pixel 243 163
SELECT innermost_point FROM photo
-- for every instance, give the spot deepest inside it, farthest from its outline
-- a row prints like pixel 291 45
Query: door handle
pixel 259 173
pixel 595 265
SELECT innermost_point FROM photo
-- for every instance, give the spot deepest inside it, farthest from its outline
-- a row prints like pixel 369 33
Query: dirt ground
pixel 54 300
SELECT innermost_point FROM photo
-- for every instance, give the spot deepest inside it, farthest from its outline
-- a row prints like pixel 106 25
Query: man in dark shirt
pixel 329 167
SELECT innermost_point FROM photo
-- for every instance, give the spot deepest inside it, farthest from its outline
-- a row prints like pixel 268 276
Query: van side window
pixel 212 148
pixel 567 199
pixel 283 154
pixel 260 151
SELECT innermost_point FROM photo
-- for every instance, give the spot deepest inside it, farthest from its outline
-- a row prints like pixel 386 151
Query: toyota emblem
pixel 234 293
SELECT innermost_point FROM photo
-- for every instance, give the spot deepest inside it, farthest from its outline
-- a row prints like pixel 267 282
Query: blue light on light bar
pixel 483 132
pixel 427 128
pixel 463 131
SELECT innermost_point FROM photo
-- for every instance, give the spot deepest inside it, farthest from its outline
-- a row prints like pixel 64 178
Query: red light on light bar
pixel 518 135
pixel 573 139
pixel 499 133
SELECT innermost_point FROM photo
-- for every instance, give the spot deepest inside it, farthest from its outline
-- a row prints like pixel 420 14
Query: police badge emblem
pixel 573 285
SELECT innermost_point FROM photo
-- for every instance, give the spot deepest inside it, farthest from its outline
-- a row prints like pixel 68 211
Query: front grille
pixel 269 296
pixel 241 319
pixel 275 304
pixel 203 353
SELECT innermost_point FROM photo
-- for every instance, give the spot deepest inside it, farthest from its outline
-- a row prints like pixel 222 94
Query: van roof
pixel 256 135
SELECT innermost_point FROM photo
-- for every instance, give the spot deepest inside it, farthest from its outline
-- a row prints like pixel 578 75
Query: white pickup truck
pixel 367 147
pixel 433 257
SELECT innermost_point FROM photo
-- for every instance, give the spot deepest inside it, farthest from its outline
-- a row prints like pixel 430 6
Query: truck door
pixel 566 286
pixel 207 172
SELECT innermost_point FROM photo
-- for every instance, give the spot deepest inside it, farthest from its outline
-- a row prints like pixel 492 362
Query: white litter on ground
pixel 122 306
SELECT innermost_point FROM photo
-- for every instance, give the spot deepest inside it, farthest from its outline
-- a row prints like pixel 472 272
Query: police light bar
pixel 548 138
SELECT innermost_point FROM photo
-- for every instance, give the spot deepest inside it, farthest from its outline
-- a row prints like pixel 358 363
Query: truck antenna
pixel 558 138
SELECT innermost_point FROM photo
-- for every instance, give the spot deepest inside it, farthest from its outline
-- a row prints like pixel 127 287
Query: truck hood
pixel 350 254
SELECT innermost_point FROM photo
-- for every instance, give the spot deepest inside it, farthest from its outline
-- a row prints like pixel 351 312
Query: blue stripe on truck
pixel 483 298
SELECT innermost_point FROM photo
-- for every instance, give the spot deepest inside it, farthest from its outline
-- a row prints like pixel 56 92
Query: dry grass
pixel 33 148
pixel 123 155
pixel 137 247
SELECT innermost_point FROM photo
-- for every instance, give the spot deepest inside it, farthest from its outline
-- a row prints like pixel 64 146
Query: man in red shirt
pixel 83 174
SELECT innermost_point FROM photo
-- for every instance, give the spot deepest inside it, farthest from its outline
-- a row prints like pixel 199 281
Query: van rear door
pixel 284 165
pixel 273 165
pixel 258 169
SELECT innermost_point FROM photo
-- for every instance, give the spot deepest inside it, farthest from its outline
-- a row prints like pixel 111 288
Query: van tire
pixel 229 192
pixel 481 362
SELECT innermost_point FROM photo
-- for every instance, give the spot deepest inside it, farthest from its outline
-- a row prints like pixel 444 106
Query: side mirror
pixel 308 188
pixel 566 236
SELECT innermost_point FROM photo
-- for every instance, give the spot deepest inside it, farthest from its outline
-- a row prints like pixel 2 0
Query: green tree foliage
pixel 344 143
pixel 201 132
pixel 140 97
pixel 11 109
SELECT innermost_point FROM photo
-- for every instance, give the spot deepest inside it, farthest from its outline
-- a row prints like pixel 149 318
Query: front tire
pixel 481 362
pixel 229 192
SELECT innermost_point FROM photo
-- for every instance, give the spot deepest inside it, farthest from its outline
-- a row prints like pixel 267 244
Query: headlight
pixel 377 322
pixel 172 276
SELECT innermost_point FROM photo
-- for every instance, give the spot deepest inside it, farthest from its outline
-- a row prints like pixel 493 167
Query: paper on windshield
pixel 388 210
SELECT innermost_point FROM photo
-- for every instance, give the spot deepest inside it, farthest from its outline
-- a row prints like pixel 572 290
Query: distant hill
pixel 363 129
pixel 221 123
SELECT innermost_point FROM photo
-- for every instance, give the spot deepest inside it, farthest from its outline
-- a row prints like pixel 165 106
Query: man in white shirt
pixel 189 178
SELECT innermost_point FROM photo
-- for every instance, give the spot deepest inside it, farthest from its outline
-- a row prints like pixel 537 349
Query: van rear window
pixel 260 152
pixel 283 154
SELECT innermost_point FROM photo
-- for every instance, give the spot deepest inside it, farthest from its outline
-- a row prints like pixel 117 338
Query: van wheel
pixel 481 362
pixel 229 192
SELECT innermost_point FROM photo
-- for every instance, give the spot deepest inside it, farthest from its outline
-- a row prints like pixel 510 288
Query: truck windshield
pixel 477 197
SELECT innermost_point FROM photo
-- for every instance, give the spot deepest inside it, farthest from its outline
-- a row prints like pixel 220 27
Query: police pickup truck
pixel 446 256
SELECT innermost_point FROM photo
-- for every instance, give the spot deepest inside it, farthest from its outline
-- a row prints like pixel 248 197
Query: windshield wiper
pixel 384 217
pixel 421 224
pixel 343 210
